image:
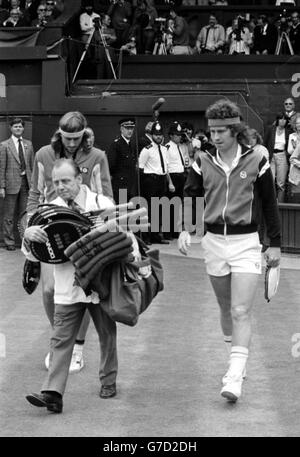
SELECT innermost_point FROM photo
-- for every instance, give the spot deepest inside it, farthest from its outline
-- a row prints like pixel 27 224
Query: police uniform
pixel 153 164
pixel 176 168
pixel 122 164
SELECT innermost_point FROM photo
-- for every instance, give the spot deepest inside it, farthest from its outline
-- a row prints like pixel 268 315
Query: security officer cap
pixel 127 122
pixel 156 129
pixel 175 129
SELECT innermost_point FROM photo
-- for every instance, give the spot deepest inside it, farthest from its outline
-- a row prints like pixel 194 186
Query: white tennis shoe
pixel 77 362
pixel 232 388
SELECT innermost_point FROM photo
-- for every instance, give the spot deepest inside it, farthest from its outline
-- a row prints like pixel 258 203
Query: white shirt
pixel 149 159
pixel 234 163
pixel 86 22
pixel 65 292
pixel 173 158
pixel 16 142
pixel 279 140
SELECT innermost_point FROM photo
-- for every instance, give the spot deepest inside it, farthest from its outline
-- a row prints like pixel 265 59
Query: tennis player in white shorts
pixel 236 182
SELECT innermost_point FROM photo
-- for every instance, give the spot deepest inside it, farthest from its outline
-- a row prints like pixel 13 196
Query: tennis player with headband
pixel 71 140
pixel 234 180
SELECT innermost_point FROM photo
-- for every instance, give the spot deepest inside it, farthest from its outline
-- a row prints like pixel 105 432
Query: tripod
pixel 99 38
pixel 283 38
pixel 160 45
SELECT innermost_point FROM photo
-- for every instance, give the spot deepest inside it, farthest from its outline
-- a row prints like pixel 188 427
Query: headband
pixel 226 121
pixel 71 134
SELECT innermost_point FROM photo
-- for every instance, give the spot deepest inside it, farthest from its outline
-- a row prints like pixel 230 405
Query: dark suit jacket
pixel 269 140
pixel 123 167
pixel 267 41
pixel 10 166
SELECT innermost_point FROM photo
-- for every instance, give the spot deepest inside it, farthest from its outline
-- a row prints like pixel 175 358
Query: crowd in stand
pixel 139 29
pixel 27 13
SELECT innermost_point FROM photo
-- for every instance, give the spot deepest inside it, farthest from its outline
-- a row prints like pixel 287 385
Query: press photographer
pixel 238 37
pixel 120 12
pixel 86 21
pixel 143 26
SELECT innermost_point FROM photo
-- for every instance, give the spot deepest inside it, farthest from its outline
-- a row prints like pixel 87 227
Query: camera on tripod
pixel 97 23
pixel 283 24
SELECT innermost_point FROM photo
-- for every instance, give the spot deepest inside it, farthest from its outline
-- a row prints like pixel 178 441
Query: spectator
pixel 180 34
pixel 265 36
pixel 289 110
pixel 211 38
pixel 256 142
pixel 29 8
pixel 238 37
pixel 108 31
pixel 276 142
pixel 53 10
pixel 120 12
pixel 15 19
pixel 122 162
pixel 4 11
pixel 143 23
pixel 294 138
pixel 294 172
pixel 188 145
pixel 16 163
pixel 86 21
pixel 41 20
pixel 294 33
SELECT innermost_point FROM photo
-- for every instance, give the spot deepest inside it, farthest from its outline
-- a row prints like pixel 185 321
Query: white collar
pixel 234 162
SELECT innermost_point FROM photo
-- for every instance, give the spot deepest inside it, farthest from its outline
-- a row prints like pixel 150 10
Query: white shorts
pixel 232 253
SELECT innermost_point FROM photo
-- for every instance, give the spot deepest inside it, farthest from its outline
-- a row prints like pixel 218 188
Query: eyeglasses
pixel 41 9
pixel 288 103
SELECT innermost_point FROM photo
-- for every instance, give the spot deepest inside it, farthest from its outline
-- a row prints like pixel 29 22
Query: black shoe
pixel 108 391
pixel 51 402
pixel 10 248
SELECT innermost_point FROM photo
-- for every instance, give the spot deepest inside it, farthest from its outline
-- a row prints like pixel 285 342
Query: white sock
pixel 78 348
pixel 228 341
pixel 238 360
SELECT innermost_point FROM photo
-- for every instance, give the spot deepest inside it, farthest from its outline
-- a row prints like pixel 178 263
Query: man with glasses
pixel 289 111
pixel 294 33
pixel 41 20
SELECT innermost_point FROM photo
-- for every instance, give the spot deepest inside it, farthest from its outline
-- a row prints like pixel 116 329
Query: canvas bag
pixel 129 294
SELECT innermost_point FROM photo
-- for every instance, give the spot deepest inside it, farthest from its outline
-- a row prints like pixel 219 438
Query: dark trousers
pixel 153 185
pixel 178 180
pixel 13 202
pixel 67 320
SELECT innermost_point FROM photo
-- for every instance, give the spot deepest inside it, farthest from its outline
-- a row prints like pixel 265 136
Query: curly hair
pixel 223 109
pixel 71 122
pixel 226 109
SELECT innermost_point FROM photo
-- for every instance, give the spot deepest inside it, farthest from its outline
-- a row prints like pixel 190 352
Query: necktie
pixel 21 157
pixel 161 160
pixel 74 206
pixel 181 158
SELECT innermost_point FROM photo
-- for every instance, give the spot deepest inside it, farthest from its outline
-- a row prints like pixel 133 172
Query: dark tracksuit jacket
pixel 233 202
